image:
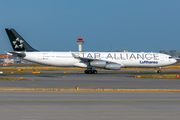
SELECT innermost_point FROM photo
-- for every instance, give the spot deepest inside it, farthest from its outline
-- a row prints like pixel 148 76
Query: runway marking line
pixel 59 89
pixel 96 100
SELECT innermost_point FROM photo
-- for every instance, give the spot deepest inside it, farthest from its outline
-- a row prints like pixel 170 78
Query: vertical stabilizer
pixel 17 42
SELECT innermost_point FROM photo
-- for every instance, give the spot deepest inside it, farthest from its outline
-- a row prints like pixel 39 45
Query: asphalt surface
pixel 49 105
pixel 117 80
pixel 96 105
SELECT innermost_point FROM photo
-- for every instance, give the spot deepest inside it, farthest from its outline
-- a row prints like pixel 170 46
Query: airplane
pixel 89 60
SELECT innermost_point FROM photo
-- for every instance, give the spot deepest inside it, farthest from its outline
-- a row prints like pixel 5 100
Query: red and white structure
pixel 80 42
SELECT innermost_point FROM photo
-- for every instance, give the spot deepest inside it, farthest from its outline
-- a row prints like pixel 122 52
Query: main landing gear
pixel 90 71
pixel 159 70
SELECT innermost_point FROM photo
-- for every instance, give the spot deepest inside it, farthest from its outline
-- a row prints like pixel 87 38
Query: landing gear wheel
pixel 90 71
pixel 86 71
pixel 159 71
pixel 95 71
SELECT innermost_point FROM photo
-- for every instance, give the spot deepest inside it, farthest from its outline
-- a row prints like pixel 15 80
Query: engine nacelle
pixel 99 64
pixel 113 66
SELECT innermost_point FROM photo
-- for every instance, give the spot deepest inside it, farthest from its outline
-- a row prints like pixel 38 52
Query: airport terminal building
pixel 7 59
pixel 173 53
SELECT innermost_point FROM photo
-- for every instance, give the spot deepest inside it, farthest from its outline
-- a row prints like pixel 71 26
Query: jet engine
pixel 103 64
pixel 100 64
pixel 113 66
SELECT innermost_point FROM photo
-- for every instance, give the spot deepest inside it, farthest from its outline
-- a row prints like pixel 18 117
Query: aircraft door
pixel 40 56
pixel 162 57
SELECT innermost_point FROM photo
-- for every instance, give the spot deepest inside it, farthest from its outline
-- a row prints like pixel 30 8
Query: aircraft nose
pixel 174 60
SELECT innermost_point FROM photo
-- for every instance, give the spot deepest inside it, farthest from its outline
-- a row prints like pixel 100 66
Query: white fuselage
pixel 126 59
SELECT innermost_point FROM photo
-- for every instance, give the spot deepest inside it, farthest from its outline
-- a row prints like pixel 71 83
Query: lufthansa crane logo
pixel 18 43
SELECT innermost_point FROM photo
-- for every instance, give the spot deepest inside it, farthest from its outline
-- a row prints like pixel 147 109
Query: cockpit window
pixel 170 57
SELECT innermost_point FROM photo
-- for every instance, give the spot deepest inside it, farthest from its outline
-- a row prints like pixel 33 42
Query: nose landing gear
pixel 159 70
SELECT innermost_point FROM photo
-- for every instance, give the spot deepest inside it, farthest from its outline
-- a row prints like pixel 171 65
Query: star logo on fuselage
pixel 18 43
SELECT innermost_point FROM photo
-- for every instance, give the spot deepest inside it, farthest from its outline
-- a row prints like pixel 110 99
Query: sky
pixel 105 25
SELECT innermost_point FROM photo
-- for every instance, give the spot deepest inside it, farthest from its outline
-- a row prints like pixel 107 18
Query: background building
pixel 173 53
pixel 7 59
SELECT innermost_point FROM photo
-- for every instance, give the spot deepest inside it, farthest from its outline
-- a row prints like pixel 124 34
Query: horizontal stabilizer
pixel 17 54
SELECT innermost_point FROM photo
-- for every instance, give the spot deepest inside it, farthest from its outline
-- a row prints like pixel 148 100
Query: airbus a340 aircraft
pixel 89 60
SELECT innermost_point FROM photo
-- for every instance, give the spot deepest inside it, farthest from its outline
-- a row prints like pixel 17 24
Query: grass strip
pixel 21 78
pixel 159 76
pixel 10 79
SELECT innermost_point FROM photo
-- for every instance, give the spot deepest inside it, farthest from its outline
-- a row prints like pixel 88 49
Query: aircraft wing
pixel 84 59
pixel 17 54
pixel 99 63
